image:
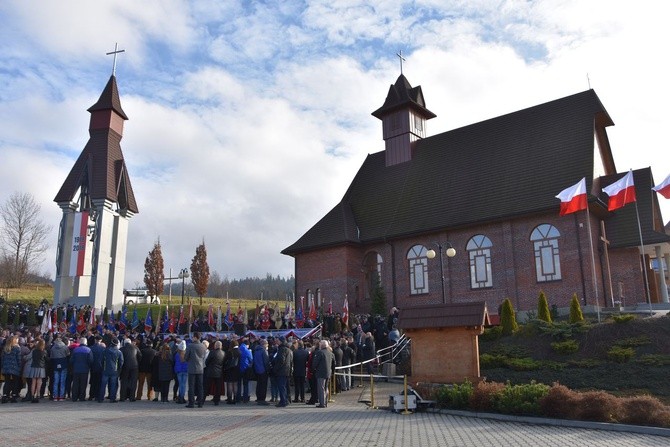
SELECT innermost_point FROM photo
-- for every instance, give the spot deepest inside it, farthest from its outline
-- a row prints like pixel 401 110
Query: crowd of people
pixel 110 366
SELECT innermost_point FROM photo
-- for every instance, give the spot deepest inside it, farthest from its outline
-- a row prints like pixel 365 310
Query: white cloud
pixel 249 120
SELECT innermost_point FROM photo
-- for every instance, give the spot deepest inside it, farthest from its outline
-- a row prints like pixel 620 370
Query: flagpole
pixel 593 261
pixel 642 260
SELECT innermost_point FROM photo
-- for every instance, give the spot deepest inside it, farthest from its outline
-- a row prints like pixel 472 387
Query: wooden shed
pixel 445 345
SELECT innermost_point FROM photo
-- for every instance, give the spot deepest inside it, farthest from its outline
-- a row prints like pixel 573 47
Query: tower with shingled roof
pixel 97 201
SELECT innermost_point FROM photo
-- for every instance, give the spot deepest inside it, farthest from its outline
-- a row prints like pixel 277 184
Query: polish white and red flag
pixel 78 243
pixel 345 311
pixel 663 188
pixel 621 192
pixel 573 199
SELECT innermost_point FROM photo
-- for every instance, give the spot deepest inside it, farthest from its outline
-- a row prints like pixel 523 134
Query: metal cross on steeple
pixel 115 52
pixel 402 59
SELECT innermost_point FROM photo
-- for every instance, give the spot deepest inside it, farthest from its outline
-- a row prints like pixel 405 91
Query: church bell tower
pixel 97 201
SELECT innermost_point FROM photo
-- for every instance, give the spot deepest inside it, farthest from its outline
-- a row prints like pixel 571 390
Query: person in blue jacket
pixel 81 361
pixel 246 358
pixel 112 362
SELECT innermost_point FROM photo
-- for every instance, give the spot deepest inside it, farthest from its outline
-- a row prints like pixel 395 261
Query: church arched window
pixel 418 270
pixel 479 254
pixel 545 245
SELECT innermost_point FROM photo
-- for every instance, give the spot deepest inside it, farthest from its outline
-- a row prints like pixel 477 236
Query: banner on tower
pixel 78 243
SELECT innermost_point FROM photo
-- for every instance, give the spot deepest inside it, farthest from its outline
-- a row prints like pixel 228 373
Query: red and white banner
pixel 621 192
pixel 663 188
pixel 78 243
pixel 573 199
pixel 345 312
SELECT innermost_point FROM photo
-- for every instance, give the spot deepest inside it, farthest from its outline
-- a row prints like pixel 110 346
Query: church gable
pixel 622 225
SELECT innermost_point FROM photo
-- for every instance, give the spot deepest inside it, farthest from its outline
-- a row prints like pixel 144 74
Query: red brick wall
pixel 337 271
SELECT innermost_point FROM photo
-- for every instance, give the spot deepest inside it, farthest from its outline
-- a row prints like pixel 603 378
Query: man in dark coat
pixel 131 364
pixel 322 364
pixel 97 350
pixel 81 361
pixel 261 367
pixel 214 372
pixel 282 367
pixel 112 363
pixel 300 356
pixel 338 354
pixel 195 355
pixel 145 370
pixel 348 357
pixel 369 351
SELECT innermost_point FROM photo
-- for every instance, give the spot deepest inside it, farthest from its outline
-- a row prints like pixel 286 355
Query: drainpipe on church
pixel 392 272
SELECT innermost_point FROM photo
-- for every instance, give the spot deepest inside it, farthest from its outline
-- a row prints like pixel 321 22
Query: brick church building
pixel 470 215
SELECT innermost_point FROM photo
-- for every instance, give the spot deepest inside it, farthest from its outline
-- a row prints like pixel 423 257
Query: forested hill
pixel 268 288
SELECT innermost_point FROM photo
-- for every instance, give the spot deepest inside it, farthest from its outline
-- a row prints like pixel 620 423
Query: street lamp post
pixel 183 274
pixel 451 252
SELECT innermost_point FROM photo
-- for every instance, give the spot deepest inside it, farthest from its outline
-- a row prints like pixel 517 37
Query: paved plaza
pixel 348 421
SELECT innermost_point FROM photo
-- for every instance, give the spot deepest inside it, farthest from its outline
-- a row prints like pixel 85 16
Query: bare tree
pixel 200 271
pixel 215 286
pixel 23 237
pixel 154 278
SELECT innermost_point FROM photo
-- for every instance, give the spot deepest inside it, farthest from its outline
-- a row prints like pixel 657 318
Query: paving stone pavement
pixel 345 422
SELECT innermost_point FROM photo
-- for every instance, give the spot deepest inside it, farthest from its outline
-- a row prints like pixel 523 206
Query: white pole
pixel 644 264
pixel 170 287
pixel 593 261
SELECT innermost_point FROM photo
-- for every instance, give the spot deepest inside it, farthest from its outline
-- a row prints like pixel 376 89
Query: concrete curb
pixel 641 429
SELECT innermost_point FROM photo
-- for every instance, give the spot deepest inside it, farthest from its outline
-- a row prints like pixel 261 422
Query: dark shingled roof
pixel 402 95
pixel 622 229
pixel 109 99
pixel 101 163
pixel 444 315
pixel 497 169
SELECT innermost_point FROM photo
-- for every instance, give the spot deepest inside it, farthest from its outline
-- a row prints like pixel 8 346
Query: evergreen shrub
pixel 620 354
pixel 543 308
pixel 623 318
pixel 565 347
pixel 455 396
pixel 507 318
pixel 521 399
pixel 576 314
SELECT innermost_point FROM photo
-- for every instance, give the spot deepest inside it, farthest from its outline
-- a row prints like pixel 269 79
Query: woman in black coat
pixel 231 371
pixel 214 372
pixel 165 371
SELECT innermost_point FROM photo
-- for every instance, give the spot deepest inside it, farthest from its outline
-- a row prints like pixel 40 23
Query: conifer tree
pixel 105 315
pixel 200 271
pixel 378 299
pixel 508 318
pixel 543 308
pixel 576 314
pixel 4 315
pixel 31 319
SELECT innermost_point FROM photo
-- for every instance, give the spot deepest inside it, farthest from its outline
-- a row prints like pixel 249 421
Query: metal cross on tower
pixel 115 52
pixel 402 59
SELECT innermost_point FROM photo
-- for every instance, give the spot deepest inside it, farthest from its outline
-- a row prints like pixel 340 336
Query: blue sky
pixel 248 120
